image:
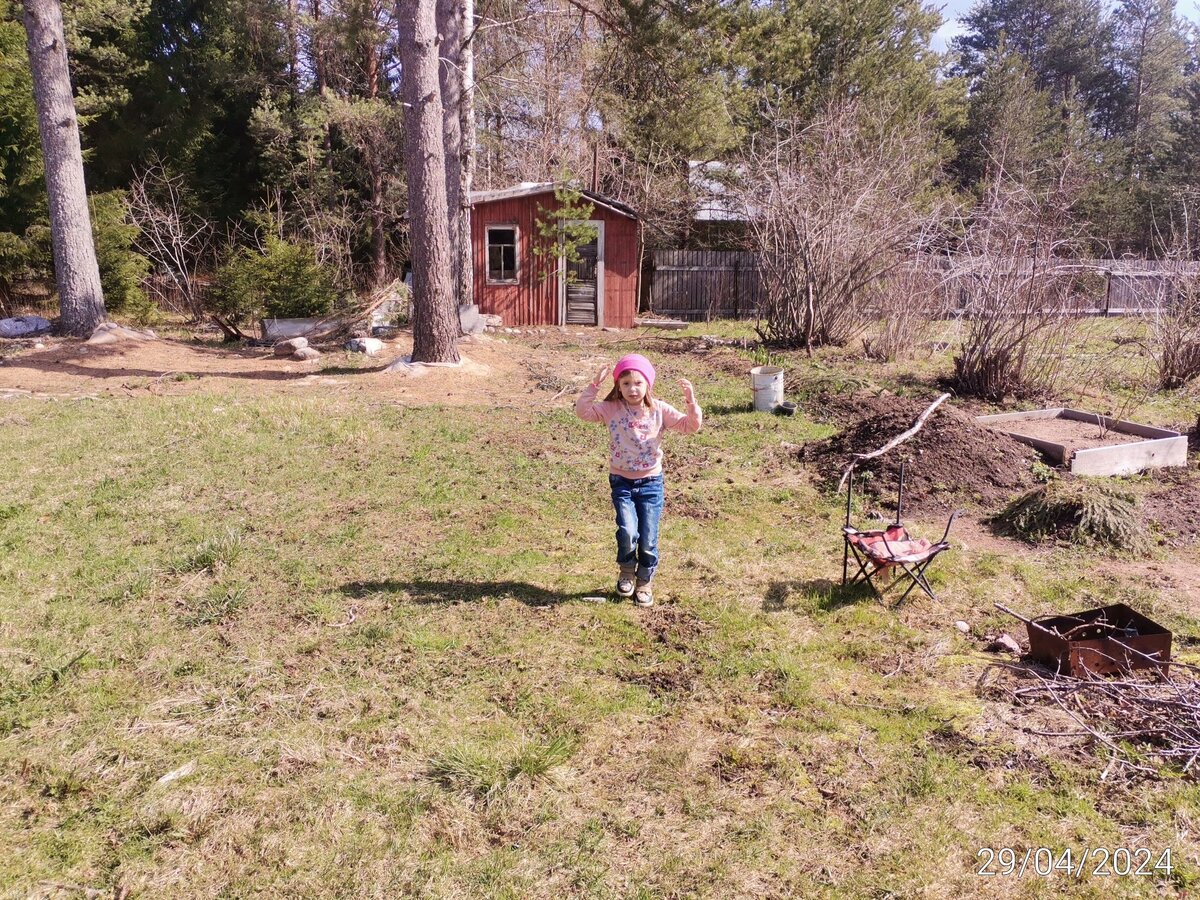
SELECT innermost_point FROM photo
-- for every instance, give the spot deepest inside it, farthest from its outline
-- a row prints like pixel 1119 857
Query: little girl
pixel 635 422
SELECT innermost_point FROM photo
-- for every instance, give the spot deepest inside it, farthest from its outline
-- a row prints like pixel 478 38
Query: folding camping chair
pixel 889 550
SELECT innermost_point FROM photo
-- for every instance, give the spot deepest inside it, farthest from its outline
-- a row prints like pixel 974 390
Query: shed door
pixel 581 286
pixel 582 283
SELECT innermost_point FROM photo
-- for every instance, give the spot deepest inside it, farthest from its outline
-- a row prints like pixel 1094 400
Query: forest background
pixel 261 119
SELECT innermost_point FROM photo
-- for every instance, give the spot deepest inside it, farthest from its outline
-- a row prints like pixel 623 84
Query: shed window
pixel 502 254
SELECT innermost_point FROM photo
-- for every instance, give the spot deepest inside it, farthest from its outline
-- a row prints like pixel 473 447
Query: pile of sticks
pixel 1128 716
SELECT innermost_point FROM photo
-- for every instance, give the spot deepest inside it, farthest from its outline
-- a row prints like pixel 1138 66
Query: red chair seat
pixel 892 545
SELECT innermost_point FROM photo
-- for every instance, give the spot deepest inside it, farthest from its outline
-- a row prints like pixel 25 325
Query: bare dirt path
pixel 493 372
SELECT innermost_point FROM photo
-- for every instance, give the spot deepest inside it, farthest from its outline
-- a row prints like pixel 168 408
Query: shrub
pixel 1019 297
pixel 1173 342
pixel 908 301
pixel 283 282
pixel 1090 513
pixel 122 269
pixel 838 203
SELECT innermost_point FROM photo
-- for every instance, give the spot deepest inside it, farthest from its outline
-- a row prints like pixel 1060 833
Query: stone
pixel 304 354
pixel 290 346
pixel 470 321
pixel 1005 642
pixel 112 333
pixel 369 346
pixel 491 321
pixel 962 626
pixel 23 326
pixel 182 772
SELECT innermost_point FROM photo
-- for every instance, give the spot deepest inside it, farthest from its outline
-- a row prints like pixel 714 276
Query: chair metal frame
pixel 871 562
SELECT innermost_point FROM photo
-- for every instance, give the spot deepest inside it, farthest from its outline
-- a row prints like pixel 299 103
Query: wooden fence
pixel 698 285
pixel 166 293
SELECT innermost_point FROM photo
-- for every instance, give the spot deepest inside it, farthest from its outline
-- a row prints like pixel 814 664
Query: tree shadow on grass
pixel 354 370
pixel 448 592
pixel 825 595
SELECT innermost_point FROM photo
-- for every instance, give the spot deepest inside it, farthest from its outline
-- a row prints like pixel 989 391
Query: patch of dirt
pixel 839 407
pixel 674 626
pixel 1002 757
pixel 730 358
pixel 1070 433
pixel 691 509
pixel 1174 508
pixel 663 681
pixel 680 631
pixel 491 373
pixel 951 461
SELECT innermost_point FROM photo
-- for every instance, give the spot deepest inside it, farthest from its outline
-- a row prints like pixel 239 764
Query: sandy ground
pixel 491 372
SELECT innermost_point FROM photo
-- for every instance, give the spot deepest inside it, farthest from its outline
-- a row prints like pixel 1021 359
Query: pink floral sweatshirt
pixel 635 445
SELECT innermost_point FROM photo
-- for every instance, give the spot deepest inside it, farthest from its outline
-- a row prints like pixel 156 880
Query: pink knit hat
pixel 634 362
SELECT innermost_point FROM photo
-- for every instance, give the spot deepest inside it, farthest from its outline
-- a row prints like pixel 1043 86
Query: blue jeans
pixel 639 504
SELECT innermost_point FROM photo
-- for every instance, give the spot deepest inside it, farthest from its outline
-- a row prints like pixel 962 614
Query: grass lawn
pixel 261 643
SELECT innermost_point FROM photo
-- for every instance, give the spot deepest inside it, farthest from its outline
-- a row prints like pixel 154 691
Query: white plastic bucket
pixel 767 384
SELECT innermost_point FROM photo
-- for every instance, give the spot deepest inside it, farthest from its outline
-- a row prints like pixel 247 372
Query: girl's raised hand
pixel 689 392
pixel 601 375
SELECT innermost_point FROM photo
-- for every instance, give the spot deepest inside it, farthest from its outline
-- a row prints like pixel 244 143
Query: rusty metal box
pixel 1101 641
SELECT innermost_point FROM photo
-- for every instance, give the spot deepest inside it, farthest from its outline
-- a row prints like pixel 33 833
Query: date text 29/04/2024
pixel 1002 862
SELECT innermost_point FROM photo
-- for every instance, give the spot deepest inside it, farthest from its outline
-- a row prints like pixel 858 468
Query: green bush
pixel 122 269
pixel 285 282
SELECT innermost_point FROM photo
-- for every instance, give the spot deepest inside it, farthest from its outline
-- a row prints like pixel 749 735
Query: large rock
pixel 290 346
pixel 112 333
pixel 304 354
pixel 23 326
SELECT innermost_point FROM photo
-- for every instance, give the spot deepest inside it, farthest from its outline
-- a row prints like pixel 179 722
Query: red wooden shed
pixel 527 289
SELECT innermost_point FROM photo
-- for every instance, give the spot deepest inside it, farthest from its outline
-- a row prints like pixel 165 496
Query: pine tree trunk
pixel 450 80
pixel 466 265
pixel 379 262
pixel 318 46
pixel 81 301
pixel 435 323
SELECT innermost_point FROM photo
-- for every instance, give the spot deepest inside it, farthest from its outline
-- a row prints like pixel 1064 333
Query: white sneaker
pixel 643 595
pixel 624 585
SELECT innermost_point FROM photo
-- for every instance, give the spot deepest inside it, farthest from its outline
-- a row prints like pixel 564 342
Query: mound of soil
pixel 950 462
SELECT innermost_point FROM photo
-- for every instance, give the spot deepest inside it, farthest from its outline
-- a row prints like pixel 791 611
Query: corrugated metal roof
pixel 532 188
